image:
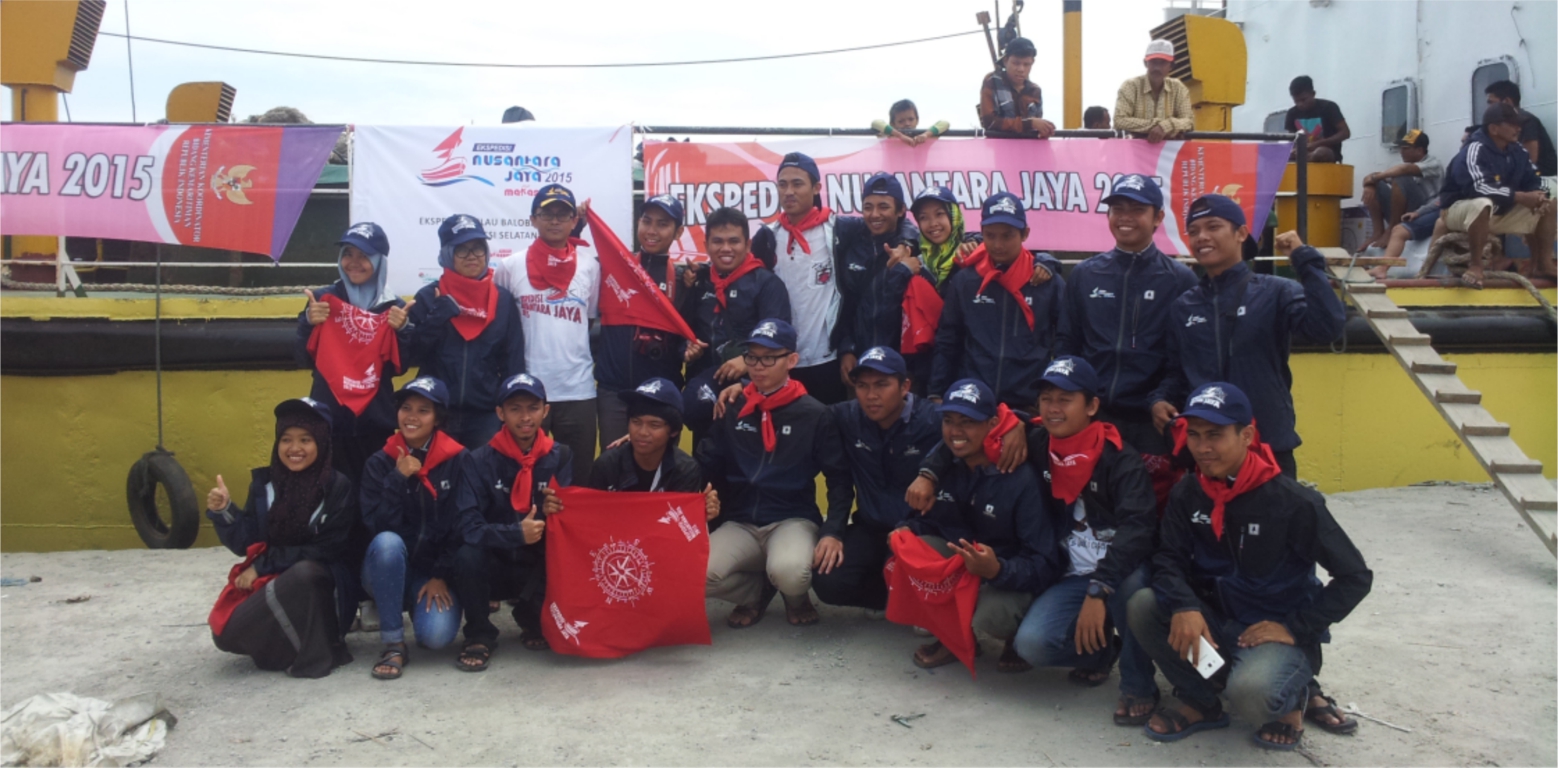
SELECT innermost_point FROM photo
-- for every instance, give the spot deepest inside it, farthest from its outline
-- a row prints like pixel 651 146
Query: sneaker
pixel 922 632
pixel 368 616
pixel 875 615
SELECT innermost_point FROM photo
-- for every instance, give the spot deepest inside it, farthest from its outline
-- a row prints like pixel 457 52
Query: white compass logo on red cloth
pixel 935 588
pixel 623 571
pixel 360 324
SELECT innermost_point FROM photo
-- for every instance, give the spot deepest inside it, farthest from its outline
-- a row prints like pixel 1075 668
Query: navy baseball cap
pixel 656 390
pixel 1220 403
pixel 773 333
pixel 1207 206
pixel 1134 186
pixel 425 386
pixel 460 228
pixel 971 398
pixel 883 183
pixel 884 360
pixel 1072 374
pixel 553 193
pixel 304 405
pixel 938 193
pixel 1003 208
pixel 522 383
pixel 667 203
pixel 803 162
pixel 368 237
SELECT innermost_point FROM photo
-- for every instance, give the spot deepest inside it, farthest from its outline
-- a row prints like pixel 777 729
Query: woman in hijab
pixel 354 365
pixel 944 244
pixel 281 605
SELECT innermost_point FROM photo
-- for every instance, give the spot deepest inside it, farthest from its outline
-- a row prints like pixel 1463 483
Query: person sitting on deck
pixel 1390 194
pixel 1491 187
pixel 1321 119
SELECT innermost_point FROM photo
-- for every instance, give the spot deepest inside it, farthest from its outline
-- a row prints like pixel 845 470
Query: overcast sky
pixel 836 90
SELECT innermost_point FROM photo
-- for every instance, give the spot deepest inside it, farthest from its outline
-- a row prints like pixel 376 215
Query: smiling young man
pixel 879 251
pixel 1238 326
pixel 763 457
pixel 1010 103
pixel 1154 103
pixel 886 432
pixel 1236 566
pixel 1118 303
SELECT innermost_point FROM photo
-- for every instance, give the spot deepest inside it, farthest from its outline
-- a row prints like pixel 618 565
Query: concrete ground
pixel 1456 643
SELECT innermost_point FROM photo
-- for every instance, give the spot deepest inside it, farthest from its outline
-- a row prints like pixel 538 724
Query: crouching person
pixel 1236 566
pixel 409 494
pixel 288 598
pixel 505 495
pixel 649 461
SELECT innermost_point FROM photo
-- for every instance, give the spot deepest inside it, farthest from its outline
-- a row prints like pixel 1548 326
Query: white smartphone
pixel 1210 659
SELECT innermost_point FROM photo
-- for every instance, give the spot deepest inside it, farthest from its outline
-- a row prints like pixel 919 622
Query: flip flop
pixel 480 652
pixel 1128 702
pixel 1344 726
pixel 394 658
pixel 1183 728
pixel 1279 728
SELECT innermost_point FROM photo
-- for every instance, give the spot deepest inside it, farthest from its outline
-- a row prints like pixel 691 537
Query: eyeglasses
pixel 762 361
pixel 470 253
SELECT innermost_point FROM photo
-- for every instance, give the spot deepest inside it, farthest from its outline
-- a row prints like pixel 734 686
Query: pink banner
pixel 1062 182
pixel 231 187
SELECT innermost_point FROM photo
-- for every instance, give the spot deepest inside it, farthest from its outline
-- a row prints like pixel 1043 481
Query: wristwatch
pixel 1099 590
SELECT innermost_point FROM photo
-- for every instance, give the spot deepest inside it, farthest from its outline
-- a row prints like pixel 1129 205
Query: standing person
pixel 997 326
pixel 409 501
pixel 943 239
pixel 1238 326
pixel 1236 567
pixel 363 249
pixel 633 354
pixel 465 332
pixel 1119 305
pixel 1390 194
pixel 885 432
pixel 293 534
pixel 879 252
pixel 1321 119
pixel 1010 103
pixel 1154 103
pixel 1533 135
pixel 503 486
pixel 1492 189
pixel 556 286
pixel 763 457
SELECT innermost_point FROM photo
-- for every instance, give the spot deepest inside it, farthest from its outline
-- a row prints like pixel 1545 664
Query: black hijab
pixel 298 494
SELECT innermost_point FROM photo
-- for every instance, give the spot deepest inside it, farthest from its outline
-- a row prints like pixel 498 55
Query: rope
pixel 1526 284
pixel 219 290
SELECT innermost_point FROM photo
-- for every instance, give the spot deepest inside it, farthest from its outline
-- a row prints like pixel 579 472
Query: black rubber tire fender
pixel 160 468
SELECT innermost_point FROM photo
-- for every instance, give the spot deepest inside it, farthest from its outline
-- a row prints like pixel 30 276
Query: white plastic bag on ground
pixel 68 730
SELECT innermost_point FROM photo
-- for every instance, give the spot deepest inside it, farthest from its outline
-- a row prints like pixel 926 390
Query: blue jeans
pixel 1047 637
pixel 1264 682
pixel 390 581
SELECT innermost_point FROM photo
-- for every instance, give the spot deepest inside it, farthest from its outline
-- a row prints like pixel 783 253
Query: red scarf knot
pixel 524 480
pixel 477 300
pixel 722 284
pixel 551 269
pixel 797 230
pixel 1260 466
pixel 1007 421
pixel 756 401
pixel 1013 278
pixel 440 449
pixel 1072 459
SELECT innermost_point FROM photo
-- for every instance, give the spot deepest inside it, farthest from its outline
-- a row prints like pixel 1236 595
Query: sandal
pixel 533 640
pixel 1210 720
pixel 1343 726
pixel 802 614
pixel 1092 678
pixel 1279 728
pixel 477 651
pixel 1010 662
pixel 1129 702
pixel 394 657
pixel 933 655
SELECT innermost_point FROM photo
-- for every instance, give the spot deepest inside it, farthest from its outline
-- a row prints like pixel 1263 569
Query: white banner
pixel 408 179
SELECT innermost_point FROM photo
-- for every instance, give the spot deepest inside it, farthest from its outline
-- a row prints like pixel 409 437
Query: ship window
pixel 1398 113
pixel 1486 74
pixel 1274 122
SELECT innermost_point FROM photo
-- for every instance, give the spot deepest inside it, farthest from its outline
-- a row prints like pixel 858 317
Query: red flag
pixel 927 590
pixel 921 315
pixel 627 295
pixel 232 596
pixel 353 351
pixel 625 572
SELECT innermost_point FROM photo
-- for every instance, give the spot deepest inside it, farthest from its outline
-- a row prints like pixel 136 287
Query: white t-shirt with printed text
pixel 813 288
pixel 557 328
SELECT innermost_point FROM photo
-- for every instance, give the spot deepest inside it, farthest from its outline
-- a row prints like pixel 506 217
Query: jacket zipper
pixel 1217 328
pixel 465 370
pixel 1119 342
pixel 1000 359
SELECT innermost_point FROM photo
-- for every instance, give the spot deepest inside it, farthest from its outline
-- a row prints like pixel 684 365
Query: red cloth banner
pixel 232 596
pixel 353 351
pixel 938 593
pixel 623 279
pixel 625 572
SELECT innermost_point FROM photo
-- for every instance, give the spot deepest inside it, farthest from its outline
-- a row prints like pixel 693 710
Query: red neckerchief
pixel 1072 459
pixel 551 269
pixel 1017 275
pixel 812 218
pixel 440 449
pixel 1008 421
pixel 1259 466
pixel 756 401
pixel 524 482
pixel 749 264
pixel 477 300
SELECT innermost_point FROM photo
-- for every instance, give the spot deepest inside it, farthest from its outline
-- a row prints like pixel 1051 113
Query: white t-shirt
pixel 1083 546
pixel 557 329
pixel 1433 174
pixel 813 288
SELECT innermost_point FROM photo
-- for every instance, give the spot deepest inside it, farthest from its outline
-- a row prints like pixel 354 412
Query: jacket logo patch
pixel 859 444
pixel 1094 486
pixel 732 293
pixel 989 510
pixel 911 451
pixel 1099 293
pixel 1254 529
pixel 1201 518
pixel 1194 319
pixel 822 272
pixel 983 299
pixel 784 430
pixel 443 485
pixel 853 267
pixel 1028 300
pixel 742 426
pixel 1150 295
pixel 1241 312
pixel 944 496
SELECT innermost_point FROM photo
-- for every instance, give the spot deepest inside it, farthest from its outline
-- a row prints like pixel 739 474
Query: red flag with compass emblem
pixel 625 572
pixel 354 351
pixel 938 593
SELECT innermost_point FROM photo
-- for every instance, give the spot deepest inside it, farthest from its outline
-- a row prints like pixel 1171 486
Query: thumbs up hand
pixel 218 499
pixel 532 527
pixel 407 465
pixel 397 316
pixel 318 311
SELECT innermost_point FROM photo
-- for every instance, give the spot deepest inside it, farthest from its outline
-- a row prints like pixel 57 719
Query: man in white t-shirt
pixel 556 287
pixel 1400 188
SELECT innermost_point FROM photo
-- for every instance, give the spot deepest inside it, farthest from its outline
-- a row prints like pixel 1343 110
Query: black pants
pixel 858 580
pixel 572 423
pixel 483 575
pixel 1286 462
pixel 919 373
pixel 822 381
pixel 290 624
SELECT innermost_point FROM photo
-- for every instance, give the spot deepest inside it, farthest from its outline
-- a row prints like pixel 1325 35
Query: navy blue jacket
pixel 379 416
pixel 883 462
pixel 1481 169
pixel 487 515
pixel 752 298
pixel 331 525
pixel 1238 328
pixel 472 370
pixel 429 526
pixel 629 355
pixel 871 307
pixel 1006 512
pixel 759 487
pixel 1118 305
pixel 984 336
pixel 1263 568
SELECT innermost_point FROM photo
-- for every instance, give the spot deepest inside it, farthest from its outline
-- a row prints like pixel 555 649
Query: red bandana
pixel 1072 459
pixel 1259 466
pixel 352 351
pixel 477 300
pixel 722 284
pixel 756 401
pixel 1008 421
pixel 524 482
pixel 813 218
pixel 551 269
pixel 441 449
pixel 1017 275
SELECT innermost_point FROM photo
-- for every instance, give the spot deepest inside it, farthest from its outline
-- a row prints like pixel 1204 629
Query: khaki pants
pixel 1518 220
pixel 743 556
pixel 999 612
